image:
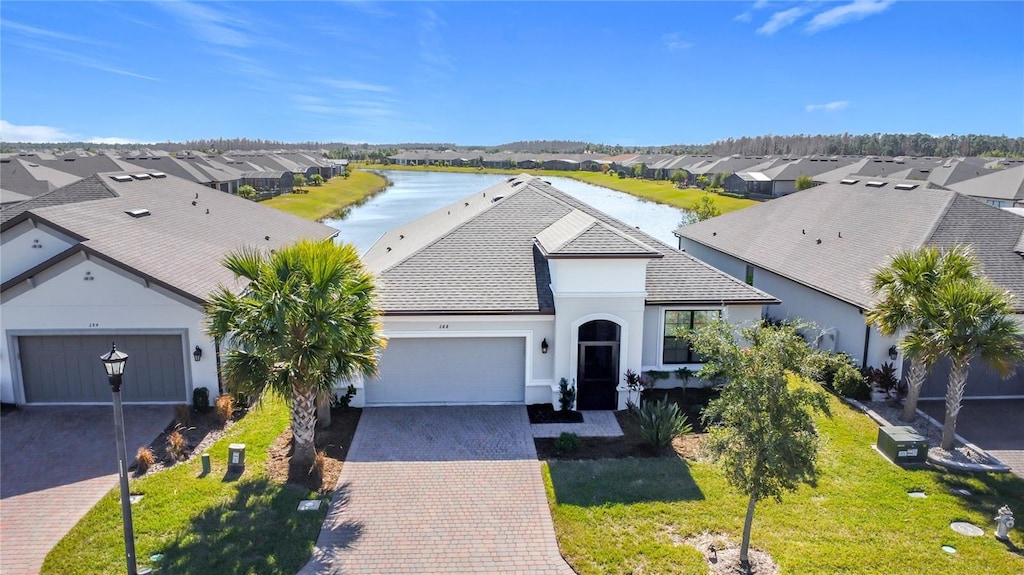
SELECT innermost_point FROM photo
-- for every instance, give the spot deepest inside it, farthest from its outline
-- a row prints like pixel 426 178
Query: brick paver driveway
pixel 55 464
pixel 440 490
pixel 992 424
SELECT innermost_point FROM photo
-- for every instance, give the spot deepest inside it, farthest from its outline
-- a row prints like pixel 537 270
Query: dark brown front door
pixel 598 376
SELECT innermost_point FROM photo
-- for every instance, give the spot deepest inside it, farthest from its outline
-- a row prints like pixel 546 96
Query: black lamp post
pixel 113 363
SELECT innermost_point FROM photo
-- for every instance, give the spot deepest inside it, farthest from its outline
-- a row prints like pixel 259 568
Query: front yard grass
pixel 330 199
pixel 661 191
pixel 213 524
pixel 629 515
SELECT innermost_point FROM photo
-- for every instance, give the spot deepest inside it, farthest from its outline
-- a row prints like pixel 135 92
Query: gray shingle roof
pixel 1006 184
pixel 579 234
pixel 832 237
pixel 88 189
pixel 179 244
pixel 479 256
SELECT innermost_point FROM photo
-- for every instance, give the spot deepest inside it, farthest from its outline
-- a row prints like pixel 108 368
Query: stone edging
pixel 995 466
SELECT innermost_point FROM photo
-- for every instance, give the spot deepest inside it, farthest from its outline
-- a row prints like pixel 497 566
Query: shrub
pixel 182 414
pixel 634 384
pixel 884 378
pixel 566 395
pixel 225 407
pixel 200 399
pixel 822 367
pixel 849 382
pixel 567 442
pixel 177 447
pixel 661 421
pixel 143 460
pixel 346 399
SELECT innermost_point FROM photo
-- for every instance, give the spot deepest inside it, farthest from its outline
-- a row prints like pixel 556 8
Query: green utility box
pixel 902 445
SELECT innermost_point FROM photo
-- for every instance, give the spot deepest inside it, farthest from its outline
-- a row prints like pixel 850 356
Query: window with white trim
pixel 677 349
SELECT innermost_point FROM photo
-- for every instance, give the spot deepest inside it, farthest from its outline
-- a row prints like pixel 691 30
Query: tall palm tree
pixel 903 288
pixel 972 317
pixel 306 319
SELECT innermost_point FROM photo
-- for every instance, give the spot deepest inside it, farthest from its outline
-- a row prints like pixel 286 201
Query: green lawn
pixel 213 524
pixel 627 515
pixel 660 191
pixel 331 198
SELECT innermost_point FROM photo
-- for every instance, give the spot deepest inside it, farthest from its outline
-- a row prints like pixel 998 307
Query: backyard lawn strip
pixel 332 198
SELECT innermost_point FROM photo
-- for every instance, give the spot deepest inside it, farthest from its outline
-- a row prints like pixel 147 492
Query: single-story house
pixel 124 257
pixel 817 250
pixel 1001 188
pixel 497 297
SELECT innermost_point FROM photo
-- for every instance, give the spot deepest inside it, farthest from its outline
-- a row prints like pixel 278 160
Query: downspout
pixel 216 355
pixel 867 340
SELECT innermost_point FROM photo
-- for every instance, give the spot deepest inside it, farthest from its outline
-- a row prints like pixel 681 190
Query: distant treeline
pixel 799 144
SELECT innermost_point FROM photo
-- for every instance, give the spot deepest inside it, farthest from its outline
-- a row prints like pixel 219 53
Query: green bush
pixel 200 399
pixel 566 395
pixel 661 421
pixel 849 382
pixel 567 442
pixel 823 367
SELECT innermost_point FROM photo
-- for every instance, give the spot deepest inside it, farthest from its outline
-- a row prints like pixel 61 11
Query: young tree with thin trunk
pixel 705 208
pixel 973 317
pixel 299 180
pixel 904 289
pixel 305 320
pixel 763 432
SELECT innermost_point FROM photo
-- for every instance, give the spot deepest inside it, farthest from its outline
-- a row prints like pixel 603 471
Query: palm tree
pixel 306 319
pixel 972 317
pixel 909 280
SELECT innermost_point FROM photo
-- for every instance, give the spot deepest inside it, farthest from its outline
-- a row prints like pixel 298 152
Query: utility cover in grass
pixel 309 505
pixel 968 529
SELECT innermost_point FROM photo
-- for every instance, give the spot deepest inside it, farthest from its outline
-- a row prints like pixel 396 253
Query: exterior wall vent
pixel 137 213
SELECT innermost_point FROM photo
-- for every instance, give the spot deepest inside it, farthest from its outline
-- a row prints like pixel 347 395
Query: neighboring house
pixel 273 183
pixel 128 257
pixel 1001 188
pixel 498 296
pixel 817 250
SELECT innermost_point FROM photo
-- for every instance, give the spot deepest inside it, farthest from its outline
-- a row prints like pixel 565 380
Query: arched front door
pixel 598 368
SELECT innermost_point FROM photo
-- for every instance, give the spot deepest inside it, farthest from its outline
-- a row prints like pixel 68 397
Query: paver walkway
pixel 55 464
pixel 440 490
pixel 595 424
pixel 992 424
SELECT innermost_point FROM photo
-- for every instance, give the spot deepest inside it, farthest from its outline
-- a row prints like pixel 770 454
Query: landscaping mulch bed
pixel 630 444
pixel 333 442
pixel 201 430
pixel 546 413
pixel 723 555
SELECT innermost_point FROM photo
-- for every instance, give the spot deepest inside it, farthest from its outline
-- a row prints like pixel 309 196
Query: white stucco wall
pixel 829 314
pixel 17 251
pixel 62 302
pixel 603 275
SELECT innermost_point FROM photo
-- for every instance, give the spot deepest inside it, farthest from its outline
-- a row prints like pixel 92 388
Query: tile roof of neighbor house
pixel 189 229
pixel 1005 184
pixel 832 237
pixel 9 197
pixel 480 255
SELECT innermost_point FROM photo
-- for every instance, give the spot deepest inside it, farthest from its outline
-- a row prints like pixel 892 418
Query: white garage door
pixel 450 370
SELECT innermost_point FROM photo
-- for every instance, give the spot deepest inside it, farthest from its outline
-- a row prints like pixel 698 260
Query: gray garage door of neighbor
pixel 67 368
pixel 982 381
pixel 450 370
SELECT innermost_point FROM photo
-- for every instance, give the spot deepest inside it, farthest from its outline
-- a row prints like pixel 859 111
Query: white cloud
pixel 355 85
pixel 33 134
pixel 674 41
pixel 781 19
pixel 743 17
pixel 856 10
pixel 115 140
pixel 830 107
pixel 432 52
pixel 211 25
pixel 50 34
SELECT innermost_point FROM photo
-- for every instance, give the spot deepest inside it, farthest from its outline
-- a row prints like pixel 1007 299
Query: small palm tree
pixel 972 317
pixel 903 289
pixel 306 319
pixel 316 180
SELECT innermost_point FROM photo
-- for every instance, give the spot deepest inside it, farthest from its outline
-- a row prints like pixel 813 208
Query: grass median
pixel 333 197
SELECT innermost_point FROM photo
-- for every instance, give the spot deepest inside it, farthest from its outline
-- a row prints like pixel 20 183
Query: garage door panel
pixel 67 369
pixel 450 371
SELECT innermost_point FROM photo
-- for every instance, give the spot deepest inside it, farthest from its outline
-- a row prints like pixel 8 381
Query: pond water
pixel 415 194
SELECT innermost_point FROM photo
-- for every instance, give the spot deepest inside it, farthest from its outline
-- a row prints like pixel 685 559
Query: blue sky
pixel 492 72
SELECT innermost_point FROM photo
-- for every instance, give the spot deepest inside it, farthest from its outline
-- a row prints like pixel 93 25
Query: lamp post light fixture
pixel 893 353
pixel 113 363
pixel 198 353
